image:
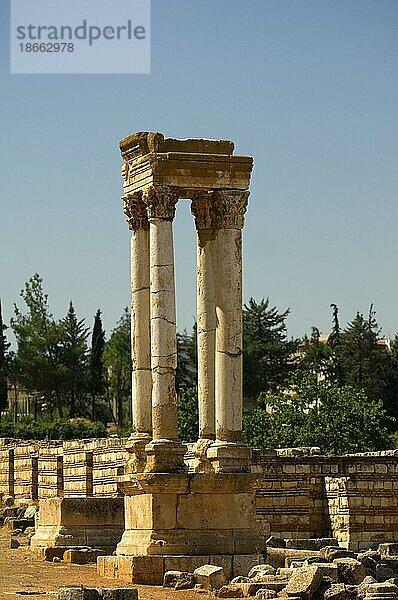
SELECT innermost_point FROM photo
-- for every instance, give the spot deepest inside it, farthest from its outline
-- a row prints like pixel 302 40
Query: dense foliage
pixel 314 413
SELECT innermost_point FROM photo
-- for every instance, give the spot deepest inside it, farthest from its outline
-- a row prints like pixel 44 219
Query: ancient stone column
pixel 137 219
pixel 206 311
pixel 164 453
pixel 228 452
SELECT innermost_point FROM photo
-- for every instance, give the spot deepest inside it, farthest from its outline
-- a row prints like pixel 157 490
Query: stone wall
pixel 78 468
pixel 353 498
pixel 301 494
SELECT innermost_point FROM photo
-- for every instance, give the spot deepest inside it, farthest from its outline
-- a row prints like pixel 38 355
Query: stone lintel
pixel 190 165
pixel 147 142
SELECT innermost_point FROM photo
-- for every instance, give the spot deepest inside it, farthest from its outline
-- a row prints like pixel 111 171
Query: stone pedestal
pixel 96 522
pixel 180 515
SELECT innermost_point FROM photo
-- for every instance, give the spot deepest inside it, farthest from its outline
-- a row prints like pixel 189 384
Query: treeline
pixel 70 371
pixel 338 391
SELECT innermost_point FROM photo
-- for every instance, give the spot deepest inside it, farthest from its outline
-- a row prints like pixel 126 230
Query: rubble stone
pixel 310 543
pixel 239 590
pixel 78 592
pixel 332 552
pixel 275 542
pixel 363 586
pixel 210 577
pixel 350 570
pixel 118 593
pixel 383 572
pixel 265 594
pixel 260 571
pixel 304 582
pixel 180 580
pixel 337 591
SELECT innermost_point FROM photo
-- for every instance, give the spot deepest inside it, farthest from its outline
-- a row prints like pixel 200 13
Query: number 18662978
pixel 47 47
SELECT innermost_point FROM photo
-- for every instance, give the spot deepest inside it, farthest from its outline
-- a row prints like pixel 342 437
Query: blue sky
pixel 307 87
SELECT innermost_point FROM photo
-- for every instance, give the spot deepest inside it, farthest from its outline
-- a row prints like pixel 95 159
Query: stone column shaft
pixel 206 311
pixel 163 331
pixel 228 453
pixel 140 333
pixel 141 379
pixel 229 336
pixel 206 317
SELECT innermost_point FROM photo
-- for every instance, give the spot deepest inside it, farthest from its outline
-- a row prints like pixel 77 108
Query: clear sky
pixel 307 87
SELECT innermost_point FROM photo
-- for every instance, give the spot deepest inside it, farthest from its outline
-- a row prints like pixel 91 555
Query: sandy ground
pixel 23 575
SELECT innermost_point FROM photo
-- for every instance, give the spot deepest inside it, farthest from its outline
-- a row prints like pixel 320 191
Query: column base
pixel 95 522
pixel 135 446
pixel 201 464
pixel 165 456
pixel 150 570
pixel 189 514
pixel 229 457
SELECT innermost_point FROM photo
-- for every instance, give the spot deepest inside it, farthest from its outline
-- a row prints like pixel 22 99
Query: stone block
pixel 275 583
pixel 184 563
pixel 260 570
pixel 147 570
pixel 78 592
pixel 350 570
pixel 82 556
pixel 304 582
pixel 243 563
pixel 118 593
pixel 390 549
pixel 180 580
pixel 226 562
pixel 311 543
pixel 363 586
pixel 329 570
pixel 383 572
pixel 337 591
pixel 275 542
pixel 238 590
pixel 210 577
pixel 381 591
pixel 332 552
pixel 265 594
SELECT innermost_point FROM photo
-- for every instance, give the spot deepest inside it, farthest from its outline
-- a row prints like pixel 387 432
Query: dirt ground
pixel 23 575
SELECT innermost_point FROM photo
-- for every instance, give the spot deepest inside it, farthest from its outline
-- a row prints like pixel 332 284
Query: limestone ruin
pixel 215 502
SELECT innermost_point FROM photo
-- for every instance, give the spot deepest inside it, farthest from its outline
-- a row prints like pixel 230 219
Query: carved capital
pixel 202 209
pixel 229 208
pixel 135 210
pixel 160 201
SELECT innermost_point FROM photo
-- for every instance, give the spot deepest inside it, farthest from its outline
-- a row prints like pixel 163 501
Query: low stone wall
pixel 301 494
pixel 30 471
pixel 353 498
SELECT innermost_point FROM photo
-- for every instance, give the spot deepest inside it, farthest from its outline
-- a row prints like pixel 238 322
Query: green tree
pixel 318 356
pixel 364 363
pixel 74 357
pixel 266 350
pixel 187 359
pixel 188 415
pixel 117 360
pixel 97 380
pixel 38 345
pixel 315 413
pixel 4 346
